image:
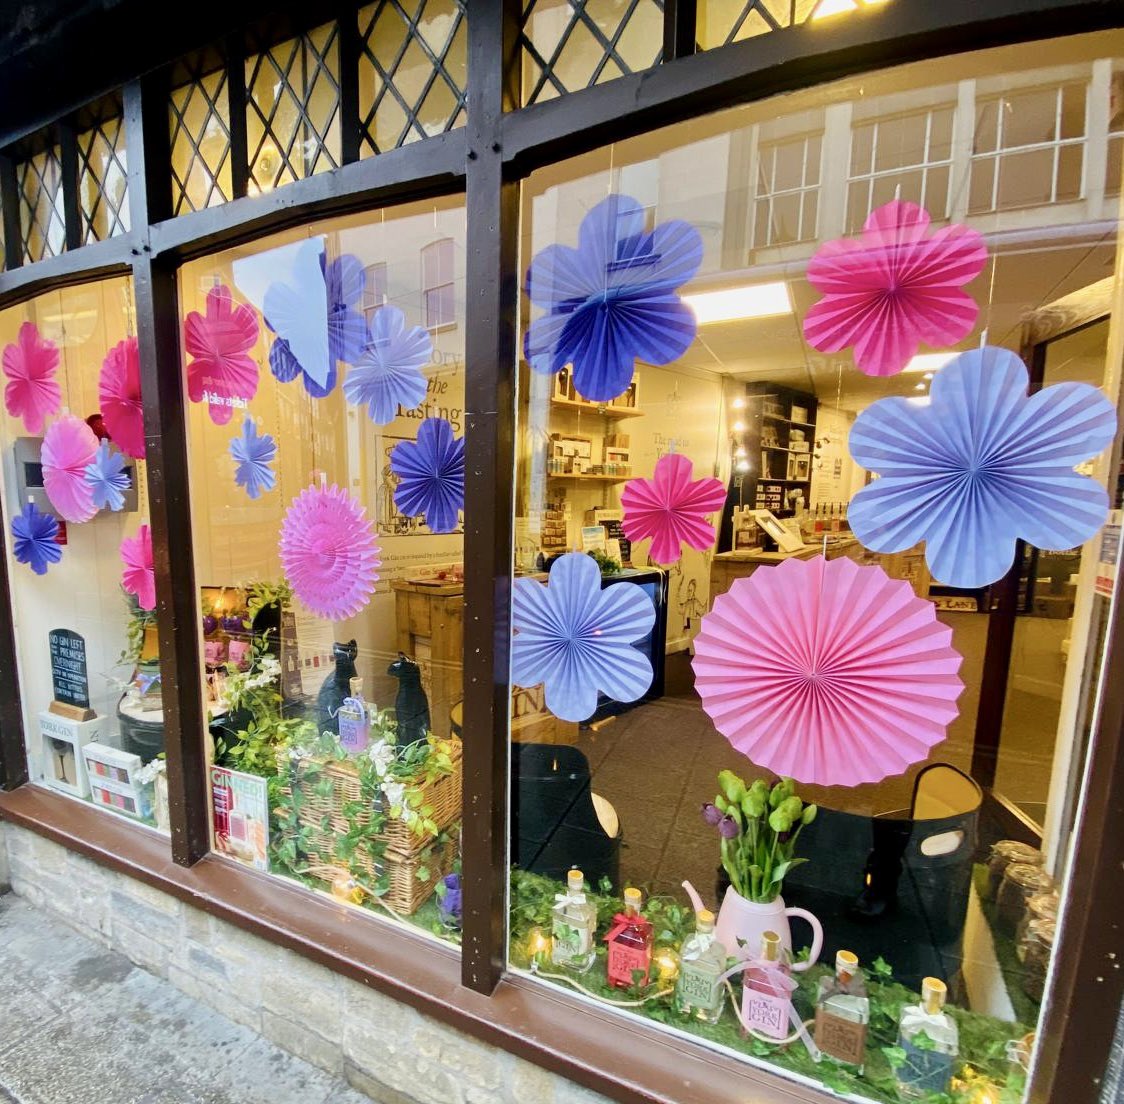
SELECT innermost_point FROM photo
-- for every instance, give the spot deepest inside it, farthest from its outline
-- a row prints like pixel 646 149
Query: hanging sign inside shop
pixel 69 677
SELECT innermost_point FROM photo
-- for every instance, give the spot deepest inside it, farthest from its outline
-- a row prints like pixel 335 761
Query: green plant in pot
pixel 759 826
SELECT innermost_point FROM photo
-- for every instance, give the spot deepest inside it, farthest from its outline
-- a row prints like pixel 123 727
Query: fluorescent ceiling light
pixel 748 301
pixel 929 362
pixel 838 7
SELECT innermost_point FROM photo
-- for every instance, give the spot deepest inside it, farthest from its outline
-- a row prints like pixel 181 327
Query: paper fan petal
pixel 139 575
pixel 576 639
pixel 35 539
pixel 430 475
pixel 862 682
pixel 107 478
pixel 221 372
pixel 328 552
pixel 387 374
pixel 69 447
pixel 297 310
pixel 252 456
pixel 119 393
pixel 30 364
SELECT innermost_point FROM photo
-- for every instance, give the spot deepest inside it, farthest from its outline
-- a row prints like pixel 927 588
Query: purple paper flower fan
pixel 576 638
pixel 35 539
pixel 387 374
pixel 612 300
pixel 107 478
pixel 328 552
pixel 430 475
pixel 253 453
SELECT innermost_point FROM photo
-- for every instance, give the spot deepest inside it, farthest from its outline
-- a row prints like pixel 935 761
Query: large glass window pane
pixel 707 544
pixel 327 472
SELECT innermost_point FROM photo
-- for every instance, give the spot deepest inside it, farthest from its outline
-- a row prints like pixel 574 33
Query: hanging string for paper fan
pixel 32 392
pixel 827 672
pixel 221 372
pixel 328 552
pixel 139 574
pixel 69 447
pixel 576 638
pixel 253 453
pixel 107 478
pixel 119 393
pixel 430 475
pixel 671 508
pixel 612 300
pixel 893 288
pixel 35 539
pixel 981 466
pixel 387 373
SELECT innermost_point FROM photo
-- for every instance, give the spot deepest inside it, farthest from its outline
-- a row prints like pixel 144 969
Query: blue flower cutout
pixel 612 300
pixel 107 478
pixel 344 279
pixel 577 639
pixel 430 475
pixel 387 374
pixel 34 539
pixel 980 466
pixel 252 456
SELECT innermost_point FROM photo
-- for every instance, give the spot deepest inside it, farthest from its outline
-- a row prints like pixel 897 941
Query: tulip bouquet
pixel 759 825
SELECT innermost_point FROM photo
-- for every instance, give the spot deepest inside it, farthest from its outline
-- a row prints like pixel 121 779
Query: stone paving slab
pixel 80 1024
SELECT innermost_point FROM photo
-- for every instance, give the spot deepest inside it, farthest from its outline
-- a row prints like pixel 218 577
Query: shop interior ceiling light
pixel 737 303
pixel 980 466
pixel 69 447
pixel 119 393
pixel 827 672
pixel 430 474
pixel 388 372
pixel 139 574
pixel 31 392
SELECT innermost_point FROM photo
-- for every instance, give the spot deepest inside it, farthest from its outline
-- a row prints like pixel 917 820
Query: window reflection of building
pixel 788 180
pixel 438 287
pixel 374 289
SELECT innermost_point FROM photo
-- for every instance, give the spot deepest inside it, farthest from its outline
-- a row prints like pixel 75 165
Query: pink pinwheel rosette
pixel 119 393
pixel 894 288
pixel 221 372
pixel 69 447
pixel 139 574
pixel 671 508
pixel 860 683
pixel 30 364
pixel 328 552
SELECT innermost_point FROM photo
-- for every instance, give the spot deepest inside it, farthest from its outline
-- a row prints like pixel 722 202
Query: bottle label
pixel 765 1012
pixel 699 987
pixel 569 941
pixel 623 959
pixel 353 730
pixel 840 1039
pixel 924 1071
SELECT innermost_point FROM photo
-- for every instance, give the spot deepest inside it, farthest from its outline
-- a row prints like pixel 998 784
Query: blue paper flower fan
pixel 576 638
pixel 612 300
pixel 387 374
pixel 430 475
pixel 981 466
pixel 252 456
pixel 107 478
pixel 34 539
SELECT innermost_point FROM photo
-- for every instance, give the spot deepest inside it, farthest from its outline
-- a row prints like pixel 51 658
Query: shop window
pixel 103 180
pixel 439 284
pixel 1029 148
pixel 412 71
pixel 327 484
pixel 905 156
pixel 723 21
pixel 42 222
pixel 718 611
pixel 199 126
pixel 79 549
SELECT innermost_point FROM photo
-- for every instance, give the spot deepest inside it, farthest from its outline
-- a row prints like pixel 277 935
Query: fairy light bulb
pixel 537 944
pixel 667 964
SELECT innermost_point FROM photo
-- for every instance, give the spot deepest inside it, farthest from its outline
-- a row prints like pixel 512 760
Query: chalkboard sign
pixel 68 668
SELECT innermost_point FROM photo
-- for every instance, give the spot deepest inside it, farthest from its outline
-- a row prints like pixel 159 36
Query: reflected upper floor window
pixel 374 289
pixel 438 284
pixel 786 208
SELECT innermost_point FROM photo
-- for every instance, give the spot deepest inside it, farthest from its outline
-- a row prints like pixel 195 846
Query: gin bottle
pixel 630 939
pixel 765 996
pixel 573 926
pixel 702 961
pixel 843 1012
pixel 929 1037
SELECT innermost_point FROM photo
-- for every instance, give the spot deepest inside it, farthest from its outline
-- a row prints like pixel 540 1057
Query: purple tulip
pixel 210 624
pixel 711 814
pixel 449 902
pixel 728 827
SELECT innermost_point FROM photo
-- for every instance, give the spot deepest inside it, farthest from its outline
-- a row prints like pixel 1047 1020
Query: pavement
pixel 80 1024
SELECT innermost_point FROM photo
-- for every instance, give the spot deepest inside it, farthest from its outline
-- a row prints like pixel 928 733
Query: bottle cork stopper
pixel 355 686
pixel 846 964
pixel 633 898
pixel 575 881
pixel 933 994
pixel 704 920
pixel 770 946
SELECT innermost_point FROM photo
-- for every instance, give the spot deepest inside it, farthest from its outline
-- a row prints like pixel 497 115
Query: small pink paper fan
pixel 30 364
pixel 119 393
pixel 139 576
pixel 827 672
pixel 69 448
pixel 328 552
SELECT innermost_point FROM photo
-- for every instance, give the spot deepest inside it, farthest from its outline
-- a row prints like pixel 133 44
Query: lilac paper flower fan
pixel 328 552
pixel 576 638
pixel 69 447
pixel 35 539
pixel 387 374
pixel 253 453
pixel 430 475
pixel 107 478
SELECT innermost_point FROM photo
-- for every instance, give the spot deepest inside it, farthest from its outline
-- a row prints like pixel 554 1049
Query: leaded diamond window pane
pixel 412 71
pixel 103 181
pixel 293 109
pixel 42 221
pixel 574 44
pixel 723 21
pixel 199 127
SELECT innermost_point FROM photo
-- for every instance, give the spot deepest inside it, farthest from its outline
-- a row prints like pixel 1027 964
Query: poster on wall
pixel 1109 554
pixel 241 809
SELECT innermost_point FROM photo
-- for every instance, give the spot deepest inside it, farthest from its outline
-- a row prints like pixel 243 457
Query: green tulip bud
pixel 720 803
pixel 789 786
pixel 732 786
pixel 809 814
pixel 761 788
pixel 776 796
pixel 793 806
pixel 754 805
pixel 780 821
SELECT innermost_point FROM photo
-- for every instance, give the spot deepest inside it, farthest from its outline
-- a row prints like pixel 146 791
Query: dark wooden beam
pixel 10 208
pixel 349 48
pixel 680 20
pixel 13 753
pixel 71 208
pixel 235 52
pixel 148 151
pixel 106 258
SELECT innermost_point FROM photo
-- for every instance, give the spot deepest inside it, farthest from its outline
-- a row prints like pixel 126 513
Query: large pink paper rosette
pixel 671 508
pixel 69 448
pixel 828 672
pixel 328 552
pixel 894 288
pixel 30 364
pixel 139 574
pixel 222 373
pixel 119 393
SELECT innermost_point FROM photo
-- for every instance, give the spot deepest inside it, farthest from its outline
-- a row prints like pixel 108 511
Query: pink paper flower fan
pixel 328 552
pixel 671 508
pixel 858 682
pixel 894 288
pixel 32 391
pixel 119 393
pixel 222 373
pixel 139 576
pixel 69 448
